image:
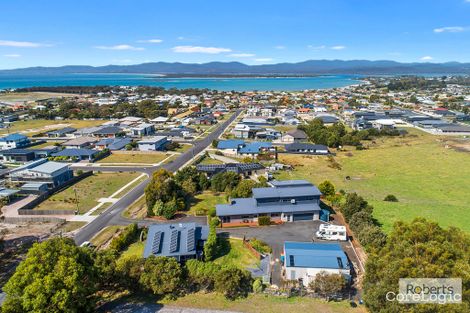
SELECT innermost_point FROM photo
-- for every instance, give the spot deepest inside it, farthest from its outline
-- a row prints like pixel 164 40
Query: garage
pixel 303 217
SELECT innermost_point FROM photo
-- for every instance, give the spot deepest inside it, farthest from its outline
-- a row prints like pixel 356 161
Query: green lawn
pixel 232 252
pixel 135 249
pixel 32 127
pixel 132 186
pixel 206 200
pixel 184 147
pixel 144 158
pixel 31 96
pixel 260 303
pixel 429 178
pixel 89 190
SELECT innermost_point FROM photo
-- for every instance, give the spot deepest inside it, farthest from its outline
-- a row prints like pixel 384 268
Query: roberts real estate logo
pixel 428 290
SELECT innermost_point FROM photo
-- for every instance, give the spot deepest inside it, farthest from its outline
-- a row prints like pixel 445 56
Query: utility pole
pixel 76 200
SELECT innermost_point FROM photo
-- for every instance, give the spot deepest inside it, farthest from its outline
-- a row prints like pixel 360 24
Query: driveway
pixel 276 235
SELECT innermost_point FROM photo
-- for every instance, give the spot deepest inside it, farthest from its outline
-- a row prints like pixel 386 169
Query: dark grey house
pixel 285 201
pixel 182 241
pixel 307 148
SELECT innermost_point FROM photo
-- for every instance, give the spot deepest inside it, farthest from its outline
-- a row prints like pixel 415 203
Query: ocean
pixel 217 83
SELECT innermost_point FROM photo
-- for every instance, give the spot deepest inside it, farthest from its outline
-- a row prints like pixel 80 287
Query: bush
pixel 260 246
pixel 327 188
pixel 125 238
pixel 391 198
pixel 264 220
pixel 258 286
pixel 233 282
pixel 201 275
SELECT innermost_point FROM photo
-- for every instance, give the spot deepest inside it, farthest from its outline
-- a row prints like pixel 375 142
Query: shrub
pixel 125 238
pixel 233 282
pixel 264 220
pixel 327 188
pixel 260 246
pixel 391 198
pixel 258 286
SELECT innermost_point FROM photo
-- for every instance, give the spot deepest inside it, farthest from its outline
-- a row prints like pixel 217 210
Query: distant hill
pixel 311 67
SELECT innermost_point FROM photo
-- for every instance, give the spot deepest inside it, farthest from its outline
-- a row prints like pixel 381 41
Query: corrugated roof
pixel 230 144
pixel 245 206
pixel 174 239
pixel 152 140
pixel 49 167
pixel 315 255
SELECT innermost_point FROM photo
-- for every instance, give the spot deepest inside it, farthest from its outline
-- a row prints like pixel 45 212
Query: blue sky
pixel 100 32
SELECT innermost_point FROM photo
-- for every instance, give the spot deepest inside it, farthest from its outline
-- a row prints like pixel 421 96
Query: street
pixel 113 213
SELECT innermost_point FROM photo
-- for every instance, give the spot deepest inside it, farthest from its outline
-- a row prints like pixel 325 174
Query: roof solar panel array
pixel 190 241
pixel 174 240
pixel 156 244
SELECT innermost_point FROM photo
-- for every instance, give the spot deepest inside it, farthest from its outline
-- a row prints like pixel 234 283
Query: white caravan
pixel 332 232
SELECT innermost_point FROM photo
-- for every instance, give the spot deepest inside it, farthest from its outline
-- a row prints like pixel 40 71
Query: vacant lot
pixel 104 237
pixel 258 303
pixel 206 200
pixel 429 177
pixel 141 158
pixel 88 192
pixel 33 127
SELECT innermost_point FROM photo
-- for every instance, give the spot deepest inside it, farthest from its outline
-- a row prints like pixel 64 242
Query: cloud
pixel 427 58
pixel 241 55
pixel 150 41
pixel 22 44
pixel 449 29
pixel 198 49
pixel 120 47
pixel 12 55
pixel 337 47
pixel 316 47
pixel 280 47
pixel 263 59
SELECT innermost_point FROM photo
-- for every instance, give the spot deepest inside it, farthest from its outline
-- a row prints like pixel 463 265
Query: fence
pixel 26 219
pixel 248 245
pixel 27 209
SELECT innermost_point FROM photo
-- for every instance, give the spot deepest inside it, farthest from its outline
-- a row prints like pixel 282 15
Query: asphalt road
pixel 112 215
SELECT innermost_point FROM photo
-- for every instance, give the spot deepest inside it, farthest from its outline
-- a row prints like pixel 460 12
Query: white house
pixel 304 260
pixel 155 143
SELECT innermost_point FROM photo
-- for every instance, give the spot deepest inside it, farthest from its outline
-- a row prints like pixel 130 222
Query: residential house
pixel 294 135
pixel 63 132
pixel 255 148
pixel 143 129
pixel 304 260
pixel 245 169
pixel 113 144
pixel 285 201
pixel 17 155
pixel 74 154
pixel 54 174
pixel 307 148
pixel 156 143
pixel 230 146
pixel 183 241
pixel 245 131
pixel 14 141
pixel 108 132
pixel 80 143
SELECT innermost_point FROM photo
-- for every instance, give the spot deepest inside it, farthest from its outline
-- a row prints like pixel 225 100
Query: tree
pixel 201 275
pixel 233 282
pixel 372 237
pixel 164 187
pixel 210 246
pixel 353 204
pixel 225 181
pixel 215 143
pixel 56 276
pixel 105 263
pixel 162 276
pixel 328 284
pixel 417 249
pixel 243 189
pixel 327 188
pixel 128 271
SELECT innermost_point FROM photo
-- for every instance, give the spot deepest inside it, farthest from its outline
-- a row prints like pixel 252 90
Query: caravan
pixel 332 232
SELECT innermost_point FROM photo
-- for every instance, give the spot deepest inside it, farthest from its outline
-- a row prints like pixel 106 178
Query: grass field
pixel 429 178
pixel 105 235
pixel 135 249
pixel 206 200
pixel 138 209
pixel 70 226
pixel 89 190
pixel 232 252
pixel 43 145
pixel 143 158
pixel 259 303
pixel 18 97
pixel 208 160
pixel 32 127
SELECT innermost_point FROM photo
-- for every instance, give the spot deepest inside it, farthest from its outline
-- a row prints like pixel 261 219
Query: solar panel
pixel 190 242
pixel 157 238
pixel 173 241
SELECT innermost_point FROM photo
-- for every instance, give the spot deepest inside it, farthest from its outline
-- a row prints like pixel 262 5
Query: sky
pixel 101 32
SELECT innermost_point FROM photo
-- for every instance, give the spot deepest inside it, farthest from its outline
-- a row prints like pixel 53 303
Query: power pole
pixel 76 200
